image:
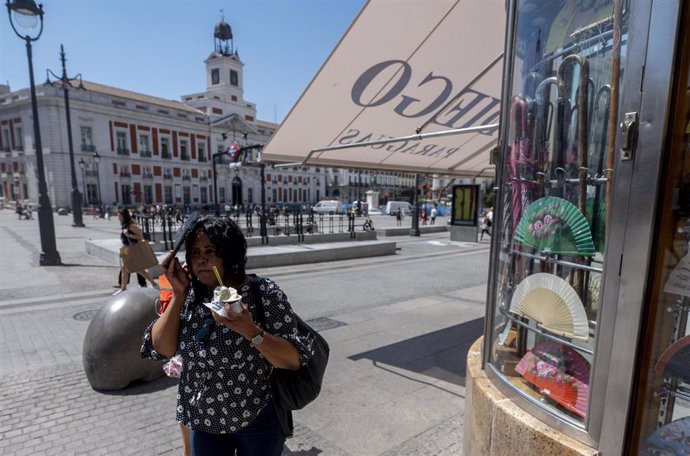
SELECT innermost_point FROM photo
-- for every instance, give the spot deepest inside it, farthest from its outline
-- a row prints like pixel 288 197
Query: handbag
pixel 294 389
pixel 137 257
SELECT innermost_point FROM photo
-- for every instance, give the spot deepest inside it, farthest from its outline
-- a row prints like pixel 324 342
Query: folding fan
pixel 671 438
pixel 560 373
pixel 553 303
pixel 555 226
pixel 678 281
pixel 675 360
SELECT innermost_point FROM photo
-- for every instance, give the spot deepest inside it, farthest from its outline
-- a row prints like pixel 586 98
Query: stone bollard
pixel 111 345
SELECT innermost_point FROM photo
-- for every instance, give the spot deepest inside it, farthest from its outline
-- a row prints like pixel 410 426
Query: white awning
pixel 402 65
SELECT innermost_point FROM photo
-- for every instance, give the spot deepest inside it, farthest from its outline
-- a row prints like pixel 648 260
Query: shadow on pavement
pixel 142 387
pixel 440 354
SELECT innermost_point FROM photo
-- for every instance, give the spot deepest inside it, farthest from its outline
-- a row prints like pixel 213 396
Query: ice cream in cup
pixel 228 295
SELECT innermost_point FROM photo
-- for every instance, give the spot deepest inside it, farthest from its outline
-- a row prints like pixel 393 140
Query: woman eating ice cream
pixel 224 395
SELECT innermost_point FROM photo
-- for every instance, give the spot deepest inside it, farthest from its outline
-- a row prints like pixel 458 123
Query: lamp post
pixel 28 15
pixel 97 161
pixel 414 231
pixel 66 83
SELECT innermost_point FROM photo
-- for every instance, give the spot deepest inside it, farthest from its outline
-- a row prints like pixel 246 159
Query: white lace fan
pixel 553 303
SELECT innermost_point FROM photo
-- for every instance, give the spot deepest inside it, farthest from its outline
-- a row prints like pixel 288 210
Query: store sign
pixel 465 205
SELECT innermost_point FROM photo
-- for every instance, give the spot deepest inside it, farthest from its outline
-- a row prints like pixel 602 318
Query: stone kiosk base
pixel 495 426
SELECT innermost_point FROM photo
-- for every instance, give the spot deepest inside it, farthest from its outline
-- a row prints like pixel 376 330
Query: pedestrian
pixel 433 215
pixel 130 234
pixel 425 217
pixel 19 210
pixel 224 394
pixel 485 224
pixel 398 217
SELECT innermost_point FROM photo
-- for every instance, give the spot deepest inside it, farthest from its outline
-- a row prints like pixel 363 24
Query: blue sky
pixel 157 47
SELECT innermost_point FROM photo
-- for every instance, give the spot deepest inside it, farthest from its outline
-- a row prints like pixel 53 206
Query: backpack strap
pixel 284 416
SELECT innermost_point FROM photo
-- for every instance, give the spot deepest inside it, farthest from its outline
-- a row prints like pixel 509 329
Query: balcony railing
pixel 166 155
pixel 122 151
pixel 125 174
pixel 186 177
pixel 147 175
pixel 167 176
pixel 203 179
pixel 145 153
pixel 91 172
pixel 184 157
pixel 88 148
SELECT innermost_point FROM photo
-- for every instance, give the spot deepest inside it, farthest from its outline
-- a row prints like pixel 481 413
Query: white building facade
pixel 132 149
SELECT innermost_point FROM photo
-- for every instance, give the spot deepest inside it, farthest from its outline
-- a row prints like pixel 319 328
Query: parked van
pixel 392 207
pixel 328 207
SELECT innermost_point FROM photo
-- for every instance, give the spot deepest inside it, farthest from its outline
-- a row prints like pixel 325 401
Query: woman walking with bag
pixel 224 395
pixel 131 234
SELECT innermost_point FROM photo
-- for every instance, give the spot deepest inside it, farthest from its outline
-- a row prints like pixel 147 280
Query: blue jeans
pixel 263 437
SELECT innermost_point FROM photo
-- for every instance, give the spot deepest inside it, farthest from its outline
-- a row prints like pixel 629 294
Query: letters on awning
pixel 404 67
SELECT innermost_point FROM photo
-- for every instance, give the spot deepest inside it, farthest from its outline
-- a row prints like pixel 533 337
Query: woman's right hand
pixel 177 275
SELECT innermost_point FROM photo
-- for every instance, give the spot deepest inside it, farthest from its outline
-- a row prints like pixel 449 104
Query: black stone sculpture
pixel 111 346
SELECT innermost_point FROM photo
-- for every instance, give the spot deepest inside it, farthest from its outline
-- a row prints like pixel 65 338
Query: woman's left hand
pixel 240 323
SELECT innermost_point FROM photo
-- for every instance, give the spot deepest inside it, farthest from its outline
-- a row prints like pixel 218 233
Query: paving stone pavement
pixel 403 398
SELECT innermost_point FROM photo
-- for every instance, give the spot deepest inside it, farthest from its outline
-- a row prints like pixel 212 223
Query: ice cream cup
pixel 235 306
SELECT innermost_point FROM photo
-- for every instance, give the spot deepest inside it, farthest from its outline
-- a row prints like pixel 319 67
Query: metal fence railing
pixel 163 228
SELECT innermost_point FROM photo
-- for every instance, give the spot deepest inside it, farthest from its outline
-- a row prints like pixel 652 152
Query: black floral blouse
pixel 224 382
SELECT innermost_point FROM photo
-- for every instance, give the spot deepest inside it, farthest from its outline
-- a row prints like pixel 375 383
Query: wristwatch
pixel 258 339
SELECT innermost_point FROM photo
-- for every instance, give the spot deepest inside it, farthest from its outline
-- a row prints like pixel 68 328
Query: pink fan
pixel 560 373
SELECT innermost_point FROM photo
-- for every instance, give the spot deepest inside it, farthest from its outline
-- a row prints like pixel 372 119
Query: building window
pixel 250 195
pixel 233 77
pixel 186 195
pixel 87 139
pixel 201 151
pixel 221 195
pixel 148 194
pixel 184 155
pixel 167 191
pixel 126 193
pixel 121 137
pixel 6 144
pixel 165 148
pixel 19 138
pixel 215 77
pixel 203 195
pixel 144 145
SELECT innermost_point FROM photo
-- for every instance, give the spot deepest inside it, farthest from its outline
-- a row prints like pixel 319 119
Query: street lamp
pixel 28 15
pixel 414 231
pixel 97 161
pixel 66 83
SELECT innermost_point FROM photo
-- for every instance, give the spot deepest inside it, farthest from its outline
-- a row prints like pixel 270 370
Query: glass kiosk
pixel 587 325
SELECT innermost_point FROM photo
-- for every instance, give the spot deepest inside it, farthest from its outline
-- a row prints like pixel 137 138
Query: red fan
pixel 560 373
pixel 675 360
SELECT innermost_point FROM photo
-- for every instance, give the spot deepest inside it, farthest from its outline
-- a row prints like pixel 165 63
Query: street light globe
pixel 25 14
pixel 96 157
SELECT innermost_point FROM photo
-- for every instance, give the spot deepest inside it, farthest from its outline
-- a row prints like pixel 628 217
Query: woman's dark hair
pixel 126 216
pixel 228 239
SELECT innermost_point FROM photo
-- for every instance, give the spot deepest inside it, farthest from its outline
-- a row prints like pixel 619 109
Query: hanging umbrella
pixel 521 164
pixel 675 360
pixel 560 373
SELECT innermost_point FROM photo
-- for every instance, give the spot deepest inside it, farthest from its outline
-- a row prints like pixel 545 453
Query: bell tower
pixel 223 66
